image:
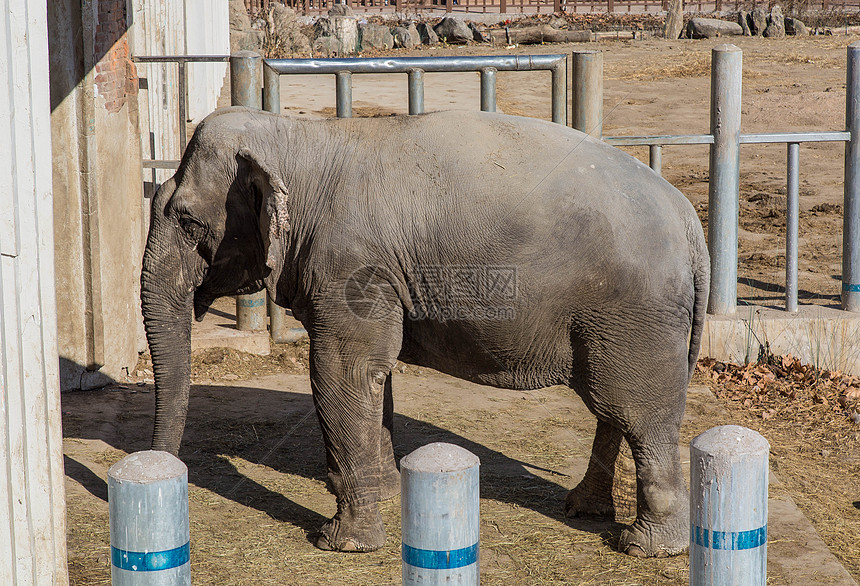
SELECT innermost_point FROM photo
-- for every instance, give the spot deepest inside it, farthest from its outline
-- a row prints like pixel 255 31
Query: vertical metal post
pixel 488 89
pixel 245 90
pixel 343 93
pixel 271 90
pixel 726 66
pixel 655 158
pixel 728 507
pixel 245 79
pixel 559 93
pixel 851 214
pixel 416 91
pixel 440 515
pixel 183 106
pixel 792 216
pixel 587 98
pixel 149 532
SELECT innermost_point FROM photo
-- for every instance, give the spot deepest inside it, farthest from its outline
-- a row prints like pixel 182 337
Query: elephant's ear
pixel 273 216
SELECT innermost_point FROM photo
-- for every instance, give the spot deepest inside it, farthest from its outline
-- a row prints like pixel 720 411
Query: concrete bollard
pixel 440 515
pixel 149 532
pixel 728 507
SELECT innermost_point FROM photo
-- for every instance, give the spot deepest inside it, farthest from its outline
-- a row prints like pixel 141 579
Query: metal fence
pixel 724 170
pixel 310 7
pixel 725 138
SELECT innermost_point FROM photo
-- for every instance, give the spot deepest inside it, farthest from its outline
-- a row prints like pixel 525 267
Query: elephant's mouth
pixel 205 296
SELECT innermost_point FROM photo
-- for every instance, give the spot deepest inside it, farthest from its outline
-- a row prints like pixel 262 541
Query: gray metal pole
pixel 587 88
pixel 851 214
pixel 728 507
pixel 792 216
pixel 343 94
pixel 271 90
pixel 183 107
pixel 559 93
pixel 655 158
pixel 488 89
pixel 245 90
pixel 440 515
pixel 245 73
pixel 416 91
pixel 726 66
pixel 149 532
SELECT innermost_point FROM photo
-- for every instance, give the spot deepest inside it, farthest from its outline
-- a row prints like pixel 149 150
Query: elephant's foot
pixel 599 495
pixel 583 501
pixel 389 486
pixel 353 529
pixel 648 539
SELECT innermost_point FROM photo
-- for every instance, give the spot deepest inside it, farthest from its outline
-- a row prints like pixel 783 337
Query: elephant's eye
pixel 193 229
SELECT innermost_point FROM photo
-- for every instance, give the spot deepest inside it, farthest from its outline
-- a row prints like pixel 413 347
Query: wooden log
pixel 534 35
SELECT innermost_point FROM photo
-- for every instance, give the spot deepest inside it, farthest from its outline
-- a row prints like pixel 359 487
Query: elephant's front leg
pixel 348 378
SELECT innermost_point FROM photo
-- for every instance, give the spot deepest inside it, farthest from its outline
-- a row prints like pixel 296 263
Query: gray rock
pixel 323 27
pixel 674 20
pixel 242 35
pixel 285 35
pixel 796 27
pixel 341 10
pixel 403 38
pixel 775 24
pixel 477 35
pixel 326 47
pixel 427 34
pixel 744 21
pixel 453 31
pixel 758 21
pixel 557 22
pixel 239 19
pixel 707 28
pixel 374 36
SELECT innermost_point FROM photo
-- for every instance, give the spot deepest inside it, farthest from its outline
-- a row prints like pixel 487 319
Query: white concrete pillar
pixel 32 497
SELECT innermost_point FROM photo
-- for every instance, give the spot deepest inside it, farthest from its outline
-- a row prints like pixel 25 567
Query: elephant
pixel 509 251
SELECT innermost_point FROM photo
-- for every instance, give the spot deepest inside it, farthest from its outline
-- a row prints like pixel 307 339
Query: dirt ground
pixel 253 447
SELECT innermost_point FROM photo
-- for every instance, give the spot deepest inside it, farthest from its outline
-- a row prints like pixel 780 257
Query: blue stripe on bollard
pixel 735 540
pixel 851 287
pixel 440 560
pixel 243 302
pixel 153 561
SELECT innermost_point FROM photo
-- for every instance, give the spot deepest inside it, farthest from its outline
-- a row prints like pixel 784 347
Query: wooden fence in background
pixel 530 6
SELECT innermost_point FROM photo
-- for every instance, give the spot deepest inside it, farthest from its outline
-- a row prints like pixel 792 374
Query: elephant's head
pixel 215 230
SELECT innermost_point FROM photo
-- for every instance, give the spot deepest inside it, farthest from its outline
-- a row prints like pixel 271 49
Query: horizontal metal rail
pixel 415 67
pixel 427 64
pixel 181 61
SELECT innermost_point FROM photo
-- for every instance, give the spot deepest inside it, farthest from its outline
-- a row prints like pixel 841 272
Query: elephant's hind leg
pixel 608 488
pixel 637 382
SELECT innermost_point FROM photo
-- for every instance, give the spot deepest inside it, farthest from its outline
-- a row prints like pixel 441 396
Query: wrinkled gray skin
pixel 344 222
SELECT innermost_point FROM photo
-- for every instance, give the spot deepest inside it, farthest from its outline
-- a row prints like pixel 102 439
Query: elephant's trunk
pixel 169 336
pixel 166 302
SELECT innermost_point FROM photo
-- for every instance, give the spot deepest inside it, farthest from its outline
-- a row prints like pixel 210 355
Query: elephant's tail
pixel 701 286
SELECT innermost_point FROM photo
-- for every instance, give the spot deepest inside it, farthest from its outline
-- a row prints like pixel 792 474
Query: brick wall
pixel 116 76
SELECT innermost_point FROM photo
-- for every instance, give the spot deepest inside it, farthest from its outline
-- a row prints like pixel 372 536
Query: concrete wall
pixel 98 203
pixel 32 498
